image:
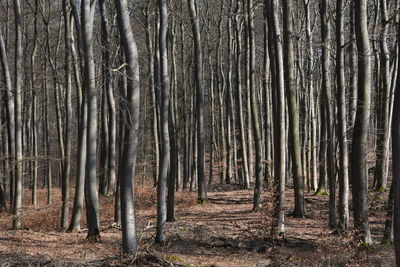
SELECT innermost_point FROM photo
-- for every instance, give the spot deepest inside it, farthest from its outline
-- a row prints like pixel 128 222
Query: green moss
pixel 321 193
pixel 378 198
pixel 173 258
pixel 381 189
pixel 294 258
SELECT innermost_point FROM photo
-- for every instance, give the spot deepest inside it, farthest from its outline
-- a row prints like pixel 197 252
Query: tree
pixel 254 108
pixel 165 147
pixel 17 209
pixel 342 125
pixel 127 172
pixel 278 105
pixel 383 105
pixel 198 55
pixel 359 171
pixel 10 105
pixel 327 96
pixel 82 130
pixel 91 194
pixel 293 110
pixel 68 106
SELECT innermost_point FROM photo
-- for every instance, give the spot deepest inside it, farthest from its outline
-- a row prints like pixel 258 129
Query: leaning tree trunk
pixel 360 133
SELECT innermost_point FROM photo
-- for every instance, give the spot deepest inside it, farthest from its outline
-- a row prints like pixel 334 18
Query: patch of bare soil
pixel 223 232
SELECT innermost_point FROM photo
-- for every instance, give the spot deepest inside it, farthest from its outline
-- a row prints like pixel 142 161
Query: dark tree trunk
pixel 360 133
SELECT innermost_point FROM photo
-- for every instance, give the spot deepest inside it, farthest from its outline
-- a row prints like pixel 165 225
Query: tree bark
pixel 164 113
pixel 360 133
pixel 17 209
pixel 127 171
pixel 198 54
pixel 342 122
pixel 91 194
pixel 291 91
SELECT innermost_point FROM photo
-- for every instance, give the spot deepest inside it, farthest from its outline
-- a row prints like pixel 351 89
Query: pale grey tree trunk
pixel 91 194
pixel 342 121
pixel 17 209
pixel 278 105
pixel 164 113
pixel 239 55
pixel 68 117
pixel 127 171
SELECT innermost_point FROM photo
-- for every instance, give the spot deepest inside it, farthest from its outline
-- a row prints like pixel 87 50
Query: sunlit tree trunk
pixel 127 168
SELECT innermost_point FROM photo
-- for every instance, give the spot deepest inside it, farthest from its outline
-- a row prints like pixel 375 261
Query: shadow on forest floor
pixel 223 232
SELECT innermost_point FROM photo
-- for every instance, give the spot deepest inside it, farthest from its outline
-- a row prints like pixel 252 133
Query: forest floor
pixel 223 232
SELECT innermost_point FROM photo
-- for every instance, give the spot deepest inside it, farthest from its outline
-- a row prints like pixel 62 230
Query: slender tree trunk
pixel 342 124
pixel 255 109
pixel 17 210
pixel 91 194
pixel 164 112
pixel 243 141
pixel 10 101
pixel 68 106
pixel 360 134
pixel 298 179
pixel 382 153
pixel 127 172
pixel 278 101
pixel 194 16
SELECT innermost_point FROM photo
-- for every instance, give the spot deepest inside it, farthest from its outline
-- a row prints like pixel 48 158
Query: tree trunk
pixel 164 113
pixel 68 106
pixel 127 171
pixel 255 109
pixel 342 124
pixel 382 152
pixel 198 54
pixel 17 209
pixel 360 134
pixel 298 179
pixel 278 105
pixel 91 194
